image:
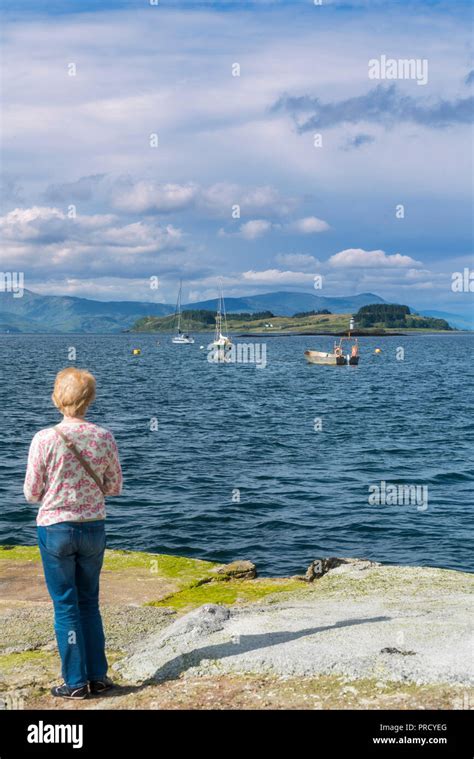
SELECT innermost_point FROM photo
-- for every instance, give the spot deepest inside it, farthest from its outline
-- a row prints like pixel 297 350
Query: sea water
pixel 275 464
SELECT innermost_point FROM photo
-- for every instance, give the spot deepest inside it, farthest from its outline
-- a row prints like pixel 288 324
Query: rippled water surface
pixel 225 431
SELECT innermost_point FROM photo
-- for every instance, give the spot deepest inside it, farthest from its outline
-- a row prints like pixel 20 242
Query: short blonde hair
pixel 74 390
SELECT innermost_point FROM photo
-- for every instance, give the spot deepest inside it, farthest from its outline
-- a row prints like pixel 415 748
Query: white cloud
pixel 218 200
pixel 277 277
pixel 46 239
pixel 359 258
pixel 418 274
pixel 250 230
pixel 310 225
pixel 147 195
pixel 144 196
pixel 255 228
pixel 45 224
pixel 215 200
pixel 300 260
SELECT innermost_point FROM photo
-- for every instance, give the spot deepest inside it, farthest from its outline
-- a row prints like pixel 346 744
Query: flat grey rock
pixel 159 649
pixel 202 621
pixel 409 624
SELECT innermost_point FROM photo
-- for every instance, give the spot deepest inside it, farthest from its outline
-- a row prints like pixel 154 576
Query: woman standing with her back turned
pixel 71 468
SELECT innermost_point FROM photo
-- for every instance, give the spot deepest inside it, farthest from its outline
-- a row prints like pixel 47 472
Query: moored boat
pixel 318 357
pixel 181 338
pixel 222 344
pixel 339 356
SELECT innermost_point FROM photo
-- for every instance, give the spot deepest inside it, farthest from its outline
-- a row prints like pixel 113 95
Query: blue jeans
pixel 72 555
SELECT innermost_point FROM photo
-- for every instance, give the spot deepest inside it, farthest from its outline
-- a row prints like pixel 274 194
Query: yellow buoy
pixel 378 350
pixel 136 351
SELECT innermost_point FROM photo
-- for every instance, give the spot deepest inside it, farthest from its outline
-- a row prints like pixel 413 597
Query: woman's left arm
pixel 35 473
pixel 113 479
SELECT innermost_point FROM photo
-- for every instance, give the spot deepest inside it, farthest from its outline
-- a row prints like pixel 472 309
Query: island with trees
pixel 375 319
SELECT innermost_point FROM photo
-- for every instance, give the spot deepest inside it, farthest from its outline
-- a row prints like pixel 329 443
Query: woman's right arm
pixel 35 473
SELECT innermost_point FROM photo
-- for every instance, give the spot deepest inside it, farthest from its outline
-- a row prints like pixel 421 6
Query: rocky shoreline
pixel 185 633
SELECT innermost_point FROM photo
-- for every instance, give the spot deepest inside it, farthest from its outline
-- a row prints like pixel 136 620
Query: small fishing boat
pixel 181 338
pixel 340 355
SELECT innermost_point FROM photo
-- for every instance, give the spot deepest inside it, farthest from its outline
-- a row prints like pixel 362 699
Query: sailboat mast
pixel 178 305
pixel 225 315
pixel 219 313
pixel 218 319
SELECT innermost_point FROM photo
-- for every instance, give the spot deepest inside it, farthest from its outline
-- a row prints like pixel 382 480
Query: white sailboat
pixel 181 338
pixel 222 344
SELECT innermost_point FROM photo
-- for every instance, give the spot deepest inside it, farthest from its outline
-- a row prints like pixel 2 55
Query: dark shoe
pixel 65 692
pixel 99 686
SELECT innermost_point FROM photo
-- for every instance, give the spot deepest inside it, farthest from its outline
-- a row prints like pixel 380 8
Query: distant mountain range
pixel 57 313
pixel 455 320
pixel 289 303
pixel 67 314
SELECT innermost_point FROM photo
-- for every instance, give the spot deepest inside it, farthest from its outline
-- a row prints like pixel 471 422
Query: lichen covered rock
pixel 240 570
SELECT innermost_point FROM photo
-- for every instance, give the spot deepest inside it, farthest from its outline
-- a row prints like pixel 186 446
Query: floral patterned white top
pixel 56 479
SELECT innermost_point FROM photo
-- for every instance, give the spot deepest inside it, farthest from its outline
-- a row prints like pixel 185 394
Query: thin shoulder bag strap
pixel 81 459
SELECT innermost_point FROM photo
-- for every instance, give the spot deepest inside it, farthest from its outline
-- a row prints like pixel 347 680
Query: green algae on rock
pixel 164 565
pixel 173 567
pixel 20 553
pixel 228 593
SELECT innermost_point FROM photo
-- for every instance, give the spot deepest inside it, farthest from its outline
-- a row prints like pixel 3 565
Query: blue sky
pixel 90 208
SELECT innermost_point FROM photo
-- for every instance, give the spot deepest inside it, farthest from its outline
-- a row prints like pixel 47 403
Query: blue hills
pixel 68 314
pixel 458 321
pixel 290 303
pixel 35 313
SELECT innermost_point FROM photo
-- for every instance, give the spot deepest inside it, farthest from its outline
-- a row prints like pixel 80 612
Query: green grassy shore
pixel 287 325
